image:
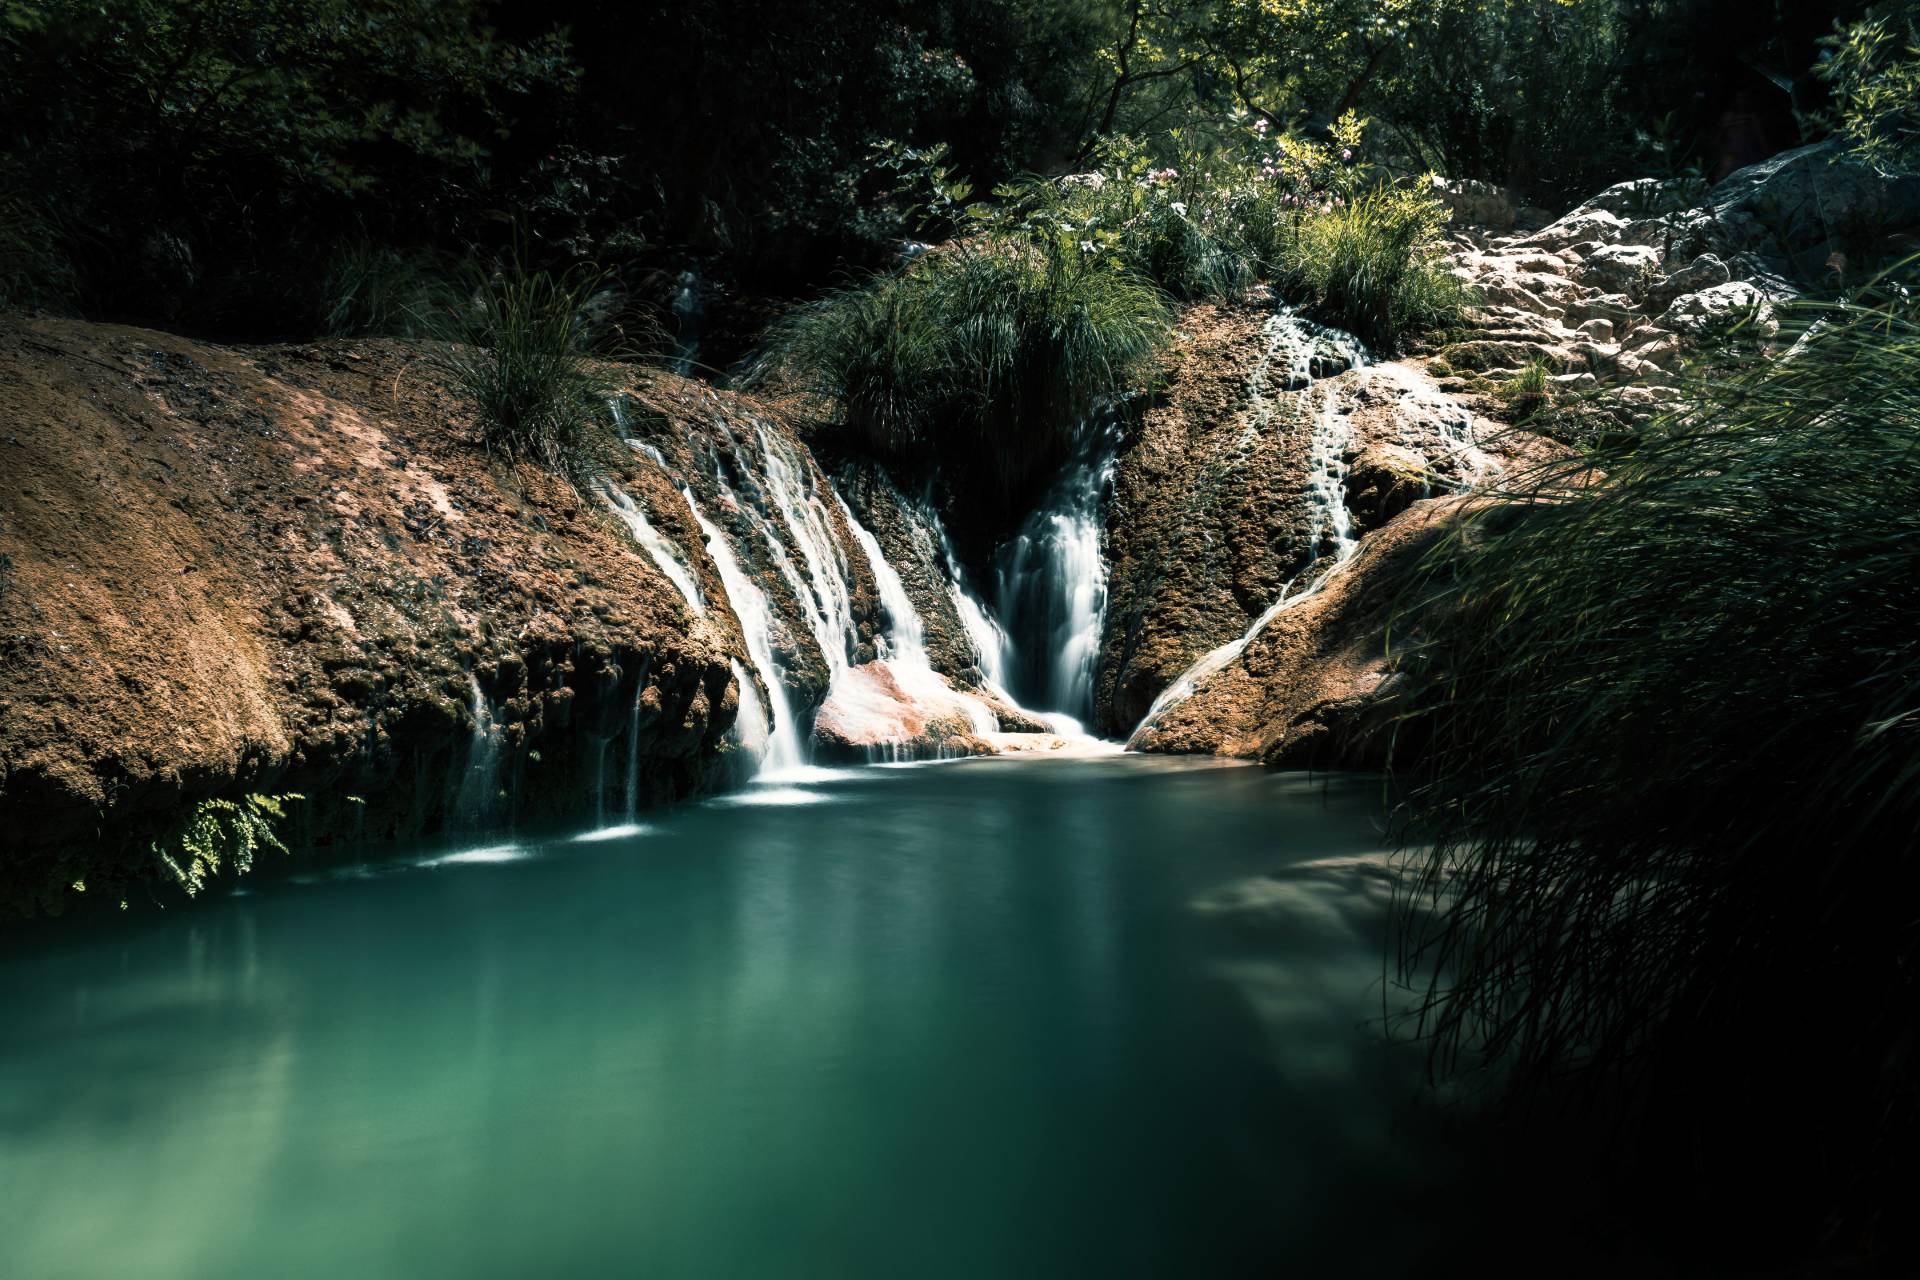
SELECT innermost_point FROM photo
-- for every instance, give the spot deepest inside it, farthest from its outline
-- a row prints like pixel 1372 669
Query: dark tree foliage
pixel 191 157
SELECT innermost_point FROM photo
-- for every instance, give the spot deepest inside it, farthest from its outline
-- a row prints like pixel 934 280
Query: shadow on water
pixel 1107 1017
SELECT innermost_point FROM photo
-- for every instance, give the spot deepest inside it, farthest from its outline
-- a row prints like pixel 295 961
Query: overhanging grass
pixel 1668 697
pixel 1371 266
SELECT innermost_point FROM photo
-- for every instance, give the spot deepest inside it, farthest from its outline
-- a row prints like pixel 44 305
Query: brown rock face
pixel 1312 690
pixel 910 546
pixel 292 569
pixel 1209 517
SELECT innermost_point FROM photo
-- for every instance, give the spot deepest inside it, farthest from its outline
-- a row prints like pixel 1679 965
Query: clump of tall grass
pixel 1667 701
pixel 519 343
pixel 1527 392
pixel 983 354
pixel 1369 264
pixel 370 290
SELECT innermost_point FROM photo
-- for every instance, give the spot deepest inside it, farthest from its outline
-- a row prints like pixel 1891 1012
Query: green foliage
pixel 1874 73
pixel 222 833
pixel 1669 699
pixel 1371 265
pixel 518 344
pixel 1527 392
pixel 34 270
pixel 1255 203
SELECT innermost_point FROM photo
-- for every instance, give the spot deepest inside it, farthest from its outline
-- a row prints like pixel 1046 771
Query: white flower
pixel 1086 246
pixel 1180 208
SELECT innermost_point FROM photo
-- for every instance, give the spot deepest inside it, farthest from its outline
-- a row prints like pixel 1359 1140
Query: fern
pixel 222 833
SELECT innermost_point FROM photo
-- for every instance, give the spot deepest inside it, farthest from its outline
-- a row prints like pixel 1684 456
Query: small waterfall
pixel 688 310
pixel 1300 351
pixel 633 754
pixel 905 648
pixel 480 782
pixel 1052 597
pixel 750 729
pixel 784 749
pixel 661 550
pixel 826 592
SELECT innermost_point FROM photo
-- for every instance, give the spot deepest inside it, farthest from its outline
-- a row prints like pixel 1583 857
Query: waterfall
pixel 905 648
pixel 1295 348
pixel 688 309
pixel 480 780
pixel 633 755
pixel 1052 597
pixel 784 749
pixel 665 555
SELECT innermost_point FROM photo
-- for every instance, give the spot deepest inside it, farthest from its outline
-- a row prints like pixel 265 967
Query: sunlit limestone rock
pixel 874 713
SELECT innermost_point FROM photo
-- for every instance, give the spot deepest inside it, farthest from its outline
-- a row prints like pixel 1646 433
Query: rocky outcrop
pixel 1613 296
pixel 1215 512
pixel 1313 688
pixel 291 569
pixel 913 546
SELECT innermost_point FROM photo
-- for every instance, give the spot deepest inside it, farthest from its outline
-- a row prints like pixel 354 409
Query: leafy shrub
pixel 222 833
pixel 1669 699
pixel 518 344
pixel 34 270
pixel 1874 72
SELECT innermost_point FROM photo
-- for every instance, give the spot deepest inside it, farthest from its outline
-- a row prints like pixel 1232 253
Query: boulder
pixel 1477 203
pixel 1621 268
pixel 1719 309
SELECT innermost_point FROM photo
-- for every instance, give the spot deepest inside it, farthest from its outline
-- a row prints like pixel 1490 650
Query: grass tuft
pixel 1371 265
pixel 982 355
pixel 519 345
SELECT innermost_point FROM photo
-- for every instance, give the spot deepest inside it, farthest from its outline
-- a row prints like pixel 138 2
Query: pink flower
pixel 1346 153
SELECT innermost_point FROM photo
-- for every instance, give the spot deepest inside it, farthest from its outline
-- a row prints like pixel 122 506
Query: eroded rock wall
pixel 290 569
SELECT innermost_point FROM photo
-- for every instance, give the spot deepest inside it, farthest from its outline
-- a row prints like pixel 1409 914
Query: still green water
pixel 1003 1018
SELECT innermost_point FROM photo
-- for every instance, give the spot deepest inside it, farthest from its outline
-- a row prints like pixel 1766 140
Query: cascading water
pixel 905 648
pixel 1294 353
pixel 1052 597
pixel 784 749
pixel 666 556
pixel 688 310
pixel 480 781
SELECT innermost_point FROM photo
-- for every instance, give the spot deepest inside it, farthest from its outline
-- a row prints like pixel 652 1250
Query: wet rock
pixel 1315 688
